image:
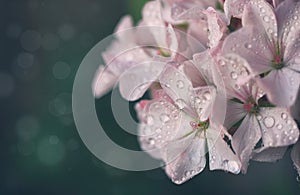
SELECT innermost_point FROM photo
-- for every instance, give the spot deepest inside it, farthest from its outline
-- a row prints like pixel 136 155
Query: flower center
pixel 200 125
pixel 277 62
pixel 250 106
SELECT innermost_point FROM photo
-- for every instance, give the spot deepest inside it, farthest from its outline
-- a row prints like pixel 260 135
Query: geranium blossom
pixel 223 76
pixel 178 125
pixel 269 41
pixel 273 126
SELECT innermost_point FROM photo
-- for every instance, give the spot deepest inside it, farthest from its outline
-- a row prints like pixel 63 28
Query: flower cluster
pixel 223 77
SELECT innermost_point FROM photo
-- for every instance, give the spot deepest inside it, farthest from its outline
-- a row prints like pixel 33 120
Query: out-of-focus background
pixel 42 45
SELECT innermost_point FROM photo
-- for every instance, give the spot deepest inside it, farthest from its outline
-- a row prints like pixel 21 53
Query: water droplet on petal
pixel 164 118
pixel 234 75
pixel 259 117
pixel 207 96
pixel 222 62
pixel 295 17
pixel 279 126
pixel 151 141
pixel 180 84
pixel 284 116
pixel 248 45
pixel 266 18
pixel 269 122
pixel 149 120
pixel 233 167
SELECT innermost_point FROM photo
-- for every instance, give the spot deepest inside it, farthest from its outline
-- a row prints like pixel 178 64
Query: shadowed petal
pixel 245 139
pixel 190 160
pixel 269 154
pixel 281 86
pixel 221 157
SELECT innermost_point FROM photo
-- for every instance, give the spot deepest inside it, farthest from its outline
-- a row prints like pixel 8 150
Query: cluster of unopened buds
pixel 223 78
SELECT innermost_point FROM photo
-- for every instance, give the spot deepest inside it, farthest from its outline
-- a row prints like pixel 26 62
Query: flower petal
pixel 103 82
pixel 278 127
pixel 288 16
pixel 221 157
pixel 269 154
pixel 255 41
pixel 236 73
pixel 177 86
pixel 281 86
pixel 135 81
pixel 245 139
pixel 234 113
pixel 190 161
pixel 216 27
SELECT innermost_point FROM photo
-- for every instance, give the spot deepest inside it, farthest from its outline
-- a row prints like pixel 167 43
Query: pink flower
pixel 254 121
pixel 269 41
pixel 177 126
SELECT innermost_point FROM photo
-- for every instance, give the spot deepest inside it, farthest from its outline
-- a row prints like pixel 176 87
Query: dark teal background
pixel 41 152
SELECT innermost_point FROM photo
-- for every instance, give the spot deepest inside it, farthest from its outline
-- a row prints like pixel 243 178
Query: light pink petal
pixel 204 63
pixel 236 73
pixel 103 82
pixel 269 154
pixel 147 144
pixel 255 41
pixel 185 154
pixel 194 74
pixel 124 24
pixel 234 113
pixel 245 139
pixel 264 13
pixel 190 160
pixel 221 157
pixel 160 123
pixel 278 127
pixel 288 16
pixel 198 30
pixel 152 14
pixel 281 86
pixel 296 156
pixel 208 68
pixel 216 27
pixel 203 101
pixel 177 86
pixel 135 81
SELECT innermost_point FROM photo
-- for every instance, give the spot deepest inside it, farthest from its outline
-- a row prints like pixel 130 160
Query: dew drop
pixel 284 116
pixel 248 45
pixel 180 84
pixel 259 117
pixel 207 96
pixel 279 126
pixel 158 130
pixel 222 62
pixel 149 120
pixel 234 75
pixel 295 17
pixel 164 118
pixel 269 122
pixel 266 18
pixel 151 141
pixel 233 167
